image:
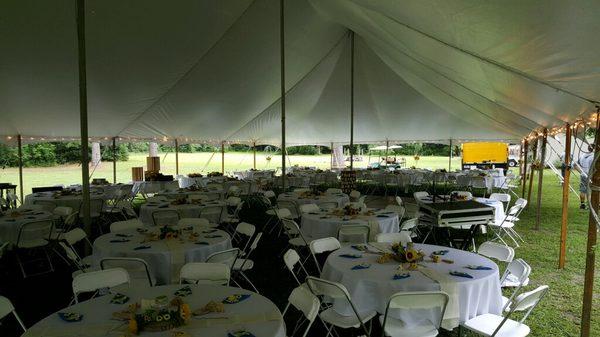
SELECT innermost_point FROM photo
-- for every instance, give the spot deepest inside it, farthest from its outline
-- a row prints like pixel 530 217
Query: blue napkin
pixel 119 299
pixel 204 243
pixel 119 240
pixel 70 316
pixel 362 266
pixel 235 298
pixel 123 235
pixel 141 247
pixel 209 231
pixel 185 291
pixel 212 236
pixel 460 274
pixel 474 267
pixel 382 216
pixel 350 256
pixel 240 333
pixel 441 252
pixel 401 276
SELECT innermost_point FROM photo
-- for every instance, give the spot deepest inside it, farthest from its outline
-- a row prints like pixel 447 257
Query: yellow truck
pixel 486 155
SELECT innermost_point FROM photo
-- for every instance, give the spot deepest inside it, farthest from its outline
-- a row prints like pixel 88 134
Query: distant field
pixel 188 162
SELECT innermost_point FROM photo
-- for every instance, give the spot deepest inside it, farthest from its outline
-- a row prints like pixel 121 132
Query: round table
pixel 73 200
pixel 256 314
pixel 10 223
pixel 184 193
pixel 184 210
pixel 164 257
pixel 340 198
pixel 324 224
pixel 371 288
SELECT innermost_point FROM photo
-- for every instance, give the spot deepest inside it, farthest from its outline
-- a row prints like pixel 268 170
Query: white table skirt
pixel 148 187
pixel 73 201
pixel 164 257
pixel 185 211
pixel 499 214
pixel 97 315
pixel 340 199
pixel 10 226
pixel 371 288
pixel 322 224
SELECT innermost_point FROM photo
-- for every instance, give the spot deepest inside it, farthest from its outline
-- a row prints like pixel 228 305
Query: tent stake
pixel 535 146
pixel 176 156
pixel 254 154
pixel 85 173
pixel 351 100
pixel 282 64
pixel 114 155
pixel 524 165
pixel 590 260
pixel 20 151
pixel 565 199
pixel 540 180
pixel 223 158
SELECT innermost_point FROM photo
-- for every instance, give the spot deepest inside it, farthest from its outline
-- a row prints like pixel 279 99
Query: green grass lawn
pixel 559 313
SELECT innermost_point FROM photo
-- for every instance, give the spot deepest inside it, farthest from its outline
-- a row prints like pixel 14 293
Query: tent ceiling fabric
pixel 427 70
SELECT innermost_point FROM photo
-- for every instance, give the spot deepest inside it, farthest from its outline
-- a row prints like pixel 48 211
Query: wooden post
pixel 254 154
pixel 535 146
pixel 282 88
pixel 114 148
pixel 20 152
pixel 538 214
pixel 524 170
pixel 450 157
pixel 83 116
pixel 331 159
pixel 176 156
pixel 351 100
pixel 565 199
pixel 223 158
pixel 590 260
pixel 387 146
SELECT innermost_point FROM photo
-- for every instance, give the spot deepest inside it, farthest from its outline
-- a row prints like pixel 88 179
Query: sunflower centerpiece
pixel 167 232
pixel 407 255
pixel 158 317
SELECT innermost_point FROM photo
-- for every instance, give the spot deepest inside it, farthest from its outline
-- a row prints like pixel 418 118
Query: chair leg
pixel 249 282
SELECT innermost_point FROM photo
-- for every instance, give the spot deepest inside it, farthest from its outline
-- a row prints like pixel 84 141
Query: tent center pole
pixel 254 155
pixel 450 157
pixel 282 64
pixel 565 199
pixel 525 147
pixel 114 157
pixel 351 100
pixel 538 214
pixel 223 158
pixel 176 157
pixel 20 152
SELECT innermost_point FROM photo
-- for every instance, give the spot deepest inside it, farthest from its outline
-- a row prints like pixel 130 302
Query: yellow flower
pixel 185 312
pixel 133 326
pixel 411 255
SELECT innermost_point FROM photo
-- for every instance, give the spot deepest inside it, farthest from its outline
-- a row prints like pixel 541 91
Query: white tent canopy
pixel 209 70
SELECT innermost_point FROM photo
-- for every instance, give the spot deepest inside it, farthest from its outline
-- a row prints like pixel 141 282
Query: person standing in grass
pixel 585 163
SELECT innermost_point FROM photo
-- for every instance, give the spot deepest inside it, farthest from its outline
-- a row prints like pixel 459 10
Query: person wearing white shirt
pixel 585 163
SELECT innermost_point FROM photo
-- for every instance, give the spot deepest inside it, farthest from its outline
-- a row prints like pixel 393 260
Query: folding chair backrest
pixel 72 255
pixel 502 197
pixel 162 217
pixel 354 233
pixel 95 280
pixel 212 213
pixel 496 251
pixel 521 202
pixel 309 208
pixel 396 208
pixel 420 194
pixel 255 241
pixel 269 194
pixel 291 227
pixel 246 229
pixel 283 213
pixel 514 210
pixel 321 287
pixel 409 224
pixel 134 266
pixel 291 258
pixel 205 273
pixel 119 226
pixel 34 234
pixel 291 206
pixel 96 205
pixel 530 299
pixel 184 222
pixel 75 235
pixel 233 201
pixel 416 301
pixel 227 257
pixel 303 300
pixel 399 201
pixel 62 211
pixel 403 237
pixel 519 268
pixel 323 245
pixel 7 308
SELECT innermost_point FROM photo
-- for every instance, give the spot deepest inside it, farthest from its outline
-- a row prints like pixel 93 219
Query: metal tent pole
pixel 85 174
pixel 254 155
pixel 450 158
pixel 331 157
pixel 20 152
pixel 524 169
pixel 538 214
pixel 114 155
pixel 590 260
pixel 282 64
pixel 223 158
pixel 565 199
pixel 351 100
pixel 176 156
pixel 387 145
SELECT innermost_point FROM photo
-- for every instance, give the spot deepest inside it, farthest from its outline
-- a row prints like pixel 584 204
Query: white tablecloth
pixel 322 224
pixel 183 193
pixel 185 211
pixel 73 200
pixel 185 182
pixel 371 288
pixel 164 257
pixel 10 225
pixel 148 187
pixel 341 199
pixel 498 207
pixel 256 314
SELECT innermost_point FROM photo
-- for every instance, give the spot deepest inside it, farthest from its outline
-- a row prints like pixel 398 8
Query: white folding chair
pixel 214 214
pixel 291 259
pixel 243 232
pixel 504 198
pixel 491 325
pixel 165 217
pixel 242 265
pixel 515 276
pixel 496 251
pixel 295 237
pixel 97 280
pixel 120 226
pixel 410 226
pixel 420 195
pixel 194 222
pixel 205 273
pixel 304 301
pixel 402 237
pixel 419 300
pixel 399 201
pixel 7 308
pixel 337 291
pixel 34 236
pixel 309 208
pixel 463 194
pixel 333 191
pixel 354 233
pixel 324 245
pixel 400 210
pixel 290 205
pixel 227 257
pixel 354 195
pixel 138 269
